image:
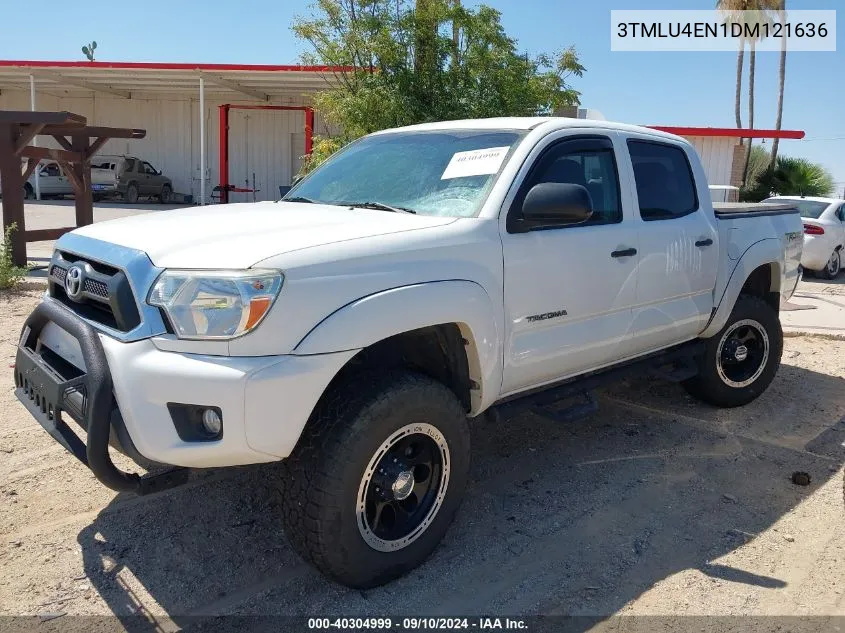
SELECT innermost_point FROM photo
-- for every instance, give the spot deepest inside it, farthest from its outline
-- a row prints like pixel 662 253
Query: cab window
pixel 665 184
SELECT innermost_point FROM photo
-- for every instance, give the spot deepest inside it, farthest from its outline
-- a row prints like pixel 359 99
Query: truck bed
pixel 751 209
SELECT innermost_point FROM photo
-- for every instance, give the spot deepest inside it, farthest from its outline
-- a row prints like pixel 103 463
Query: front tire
pixel 741 360
pixel 377 477
pixel 28 192
pixel 166 194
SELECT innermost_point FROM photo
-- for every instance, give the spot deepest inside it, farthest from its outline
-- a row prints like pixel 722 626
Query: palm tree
pixel 781 81
pixel 800 177
pixel 731 7
pixel 748 13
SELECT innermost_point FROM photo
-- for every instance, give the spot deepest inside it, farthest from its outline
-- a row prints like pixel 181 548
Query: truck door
pixel 678 246
pixel 148 179
pixel 569 291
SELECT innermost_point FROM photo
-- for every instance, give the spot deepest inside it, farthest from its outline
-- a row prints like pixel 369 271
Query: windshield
pixel 807 208
pixel 444 172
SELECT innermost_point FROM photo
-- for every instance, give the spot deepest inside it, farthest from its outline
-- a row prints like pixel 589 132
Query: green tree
pixel 758 164
pixel 399 63
pixel 800 177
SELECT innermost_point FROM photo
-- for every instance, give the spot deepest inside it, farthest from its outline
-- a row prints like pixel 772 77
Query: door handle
pixel 628 252
pixel 706 242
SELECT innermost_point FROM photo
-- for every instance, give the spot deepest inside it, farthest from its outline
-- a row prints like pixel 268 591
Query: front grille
pixel 59 273
pixel 102 293
pixel 97 288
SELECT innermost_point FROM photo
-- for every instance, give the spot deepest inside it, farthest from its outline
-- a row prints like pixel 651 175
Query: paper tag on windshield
pixel 477 162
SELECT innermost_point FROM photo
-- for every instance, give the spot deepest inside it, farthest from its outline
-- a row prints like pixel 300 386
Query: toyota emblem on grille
pixel 73 282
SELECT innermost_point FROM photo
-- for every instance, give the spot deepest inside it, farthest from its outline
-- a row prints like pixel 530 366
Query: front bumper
pixel 126 387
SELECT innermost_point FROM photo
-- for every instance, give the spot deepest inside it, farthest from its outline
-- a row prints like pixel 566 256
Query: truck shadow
pixel 575 519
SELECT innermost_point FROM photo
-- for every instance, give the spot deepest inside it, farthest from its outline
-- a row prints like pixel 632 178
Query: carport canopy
pixel 261 84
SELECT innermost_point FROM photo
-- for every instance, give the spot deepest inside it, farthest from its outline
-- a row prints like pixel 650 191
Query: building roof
pixel 731 132
pixel 262 82
pixel 125 79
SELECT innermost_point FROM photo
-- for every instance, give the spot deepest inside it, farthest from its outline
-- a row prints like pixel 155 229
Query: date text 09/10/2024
pixel 415 624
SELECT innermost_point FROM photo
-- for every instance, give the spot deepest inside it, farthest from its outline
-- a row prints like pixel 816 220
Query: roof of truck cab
pixel 530 123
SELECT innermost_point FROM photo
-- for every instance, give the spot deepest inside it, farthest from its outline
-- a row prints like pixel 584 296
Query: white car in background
pixel 824 233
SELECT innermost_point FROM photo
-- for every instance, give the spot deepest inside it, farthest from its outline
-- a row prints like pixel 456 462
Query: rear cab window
pixel 665 183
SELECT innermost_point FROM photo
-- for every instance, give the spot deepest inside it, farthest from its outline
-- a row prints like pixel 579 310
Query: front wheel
pixel 741 360
pixel 166 194
pixel 377 477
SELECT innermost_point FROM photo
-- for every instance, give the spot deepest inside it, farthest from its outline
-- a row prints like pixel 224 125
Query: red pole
pixel 224 153
pixel 309 130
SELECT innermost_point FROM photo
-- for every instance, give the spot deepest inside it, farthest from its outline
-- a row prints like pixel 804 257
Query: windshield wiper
pixel 381 207
pixel 297 199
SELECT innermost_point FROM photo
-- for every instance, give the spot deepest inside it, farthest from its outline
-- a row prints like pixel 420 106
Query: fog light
pixel 212 422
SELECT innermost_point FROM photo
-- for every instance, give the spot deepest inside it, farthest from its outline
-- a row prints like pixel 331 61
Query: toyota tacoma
pixel 417 279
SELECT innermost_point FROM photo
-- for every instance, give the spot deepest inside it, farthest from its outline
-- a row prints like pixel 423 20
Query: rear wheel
pixel 741 360
pixel 377 477
pixel 833 267
pixel 132 193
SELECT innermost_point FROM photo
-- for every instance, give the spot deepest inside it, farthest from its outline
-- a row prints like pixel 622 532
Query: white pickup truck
pixel 418 278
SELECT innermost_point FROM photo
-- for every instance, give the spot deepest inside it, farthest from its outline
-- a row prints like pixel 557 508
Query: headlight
pixel 215 304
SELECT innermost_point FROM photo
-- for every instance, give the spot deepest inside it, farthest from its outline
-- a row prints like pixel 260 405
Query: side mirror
pixel 556 204
pixel 283 190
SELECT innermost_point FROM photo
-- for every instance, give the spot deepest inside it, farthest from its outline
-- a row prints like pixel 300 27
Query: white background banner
pixel 715 30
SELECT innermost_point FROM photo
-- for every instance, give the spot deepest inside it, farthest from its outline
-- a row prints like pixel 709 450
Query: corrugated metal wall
pixel 716 154
pixel 268 143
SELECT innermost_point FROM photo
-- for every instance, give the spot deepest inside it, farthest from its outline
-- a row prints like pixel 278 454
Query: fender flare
pixel 379 316
pixel 765 252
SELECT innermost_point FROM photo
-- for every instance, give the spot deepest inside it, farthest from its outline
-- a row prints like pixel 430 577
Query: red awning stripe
pixel 731 132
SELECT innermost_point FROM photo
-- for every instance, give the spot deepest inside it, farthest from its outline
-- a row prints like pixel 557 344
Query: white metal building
pixel 270 122
pixel 179 107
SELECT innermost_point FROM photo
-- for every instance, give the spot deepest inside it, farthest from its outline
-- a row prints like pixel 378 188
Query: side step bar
pixel 674 365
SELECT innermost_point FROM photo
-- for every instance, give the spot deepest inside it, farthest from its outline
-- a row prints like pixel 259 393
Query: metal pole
pixel 202 140
pixel 35 140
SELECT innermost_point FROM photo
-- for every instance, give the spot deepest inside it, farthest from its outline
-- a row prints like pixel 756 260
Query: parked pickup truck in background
pixel 129 178
pixel 420 277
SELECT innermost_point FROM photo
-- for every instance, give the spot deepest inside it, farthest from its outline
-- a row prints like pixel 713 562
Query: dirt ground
pixel 655 504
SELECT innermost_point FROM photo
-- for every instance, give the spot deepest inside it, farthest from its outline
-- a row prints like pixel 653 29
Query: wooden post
pixel 13 183
pixel 82 170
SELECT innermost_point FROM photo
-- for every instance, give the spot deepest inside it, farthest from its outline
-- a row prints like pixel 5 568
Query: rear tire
pixel 132 193
pixel 741 360
pixel 377 477
pixel 833 266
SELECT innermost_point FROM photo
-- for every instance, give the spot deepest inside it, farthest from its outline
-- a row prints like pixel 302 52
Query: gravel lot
pixel 654 505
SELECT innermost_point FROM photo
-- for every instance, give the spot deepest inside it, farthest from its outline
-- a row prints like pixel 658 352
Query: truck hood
pixel 240 235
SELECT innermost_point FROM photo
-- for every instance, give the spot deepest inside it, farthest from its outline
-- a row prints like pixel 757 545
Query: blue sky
pixel 646 88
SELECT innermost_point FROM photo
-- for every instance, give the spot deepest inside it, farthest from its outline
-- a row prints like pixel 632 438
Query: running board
pixel 674 365
pixel 575 411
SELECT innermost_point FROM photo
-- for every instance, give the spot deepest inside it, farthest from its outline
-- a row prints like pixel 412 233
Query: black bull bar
pixel 87 398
